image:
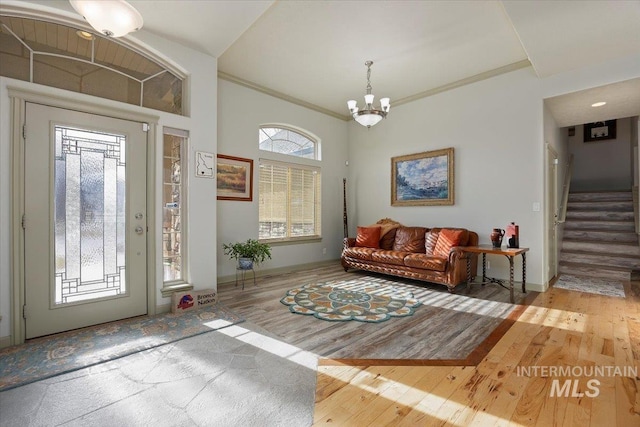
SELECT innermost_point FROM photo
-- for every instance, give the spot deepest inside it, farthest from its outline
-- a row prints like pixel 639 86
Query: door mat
pixel 57 354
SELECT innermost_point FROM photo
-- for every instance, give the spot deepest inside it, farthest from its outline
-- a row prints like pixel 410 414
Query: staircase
pixel 599 236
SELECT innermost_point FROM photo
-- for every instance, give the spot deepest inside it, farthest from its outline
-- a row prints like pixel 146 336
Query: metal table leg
pixel 484 269
pixel 524 272
pixel 511 278
pixel 468 274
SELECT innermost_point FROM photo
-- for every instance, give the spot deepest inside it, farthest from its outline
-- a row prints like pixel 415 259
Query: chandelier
pixel 113 18
pixel 369 116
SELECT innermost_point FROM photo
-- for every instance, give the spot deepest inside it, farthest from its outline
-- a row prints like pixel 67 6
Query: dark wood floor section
pixel 448 329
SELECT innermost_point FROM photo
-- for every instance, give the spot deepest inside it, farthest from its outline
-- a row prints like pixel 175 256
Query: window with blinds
pixel 289 206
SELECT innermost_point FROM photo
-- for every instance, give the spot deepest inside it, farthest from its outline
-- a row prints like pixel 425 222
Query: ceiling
pixel 313 52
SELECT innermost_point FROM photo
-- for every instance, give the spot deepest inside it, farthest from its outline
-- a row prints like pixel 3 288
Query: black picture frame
pixel 599 131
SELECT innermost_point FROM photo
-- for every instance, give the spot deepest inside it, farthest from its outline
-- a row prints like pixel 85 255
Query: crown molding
pixel 246 83
pixel 469 80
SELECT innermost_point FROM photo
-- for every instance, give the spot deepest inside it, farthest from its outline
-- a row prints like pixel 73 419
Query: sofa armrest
pixel 457 254
pixel 457 268
pixel 349 242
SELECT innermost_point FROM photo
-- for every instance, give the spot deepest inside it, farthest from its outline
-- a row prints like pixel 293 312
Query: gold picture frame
pixel 423 179
pixel 234 178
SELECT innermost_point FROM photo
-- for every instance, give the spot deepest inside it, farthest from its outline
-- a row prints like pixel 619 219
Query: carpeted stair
pixel 599 236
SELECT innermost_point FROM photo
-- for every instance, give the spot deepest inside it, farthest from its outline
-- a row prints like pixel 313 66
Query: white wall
pixel 602 165
pixel 202 126
pixel 496 129
pixel 240 113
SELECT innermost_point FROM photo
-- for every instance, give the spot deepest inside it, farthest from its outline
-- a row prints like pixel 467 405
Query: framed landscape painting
pixel 234 178
pixel 423 179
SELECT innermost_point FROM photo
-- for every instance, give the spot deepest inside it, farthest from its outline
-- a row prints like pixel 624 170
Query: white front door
pixel 85 219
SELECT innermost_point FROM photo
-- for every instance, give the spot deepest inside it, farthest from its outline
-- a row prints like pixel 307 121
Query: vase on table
pixel 513 235
pixel 496 237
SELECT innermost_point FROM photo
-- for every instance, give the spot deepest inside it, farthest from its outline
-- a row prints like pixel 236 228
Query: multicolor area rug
pixel 363 301
pixel 611 288
pixel 46 357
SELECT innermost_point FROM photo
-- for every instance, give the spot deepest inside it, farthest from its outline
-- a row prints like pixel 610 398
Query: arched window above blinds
pixel 279 139
pixel 289 206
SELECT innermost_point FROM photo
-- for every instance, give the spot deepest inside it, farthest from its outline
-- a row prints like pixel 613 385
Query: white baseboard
pixel 536 287
pixel 164 308
pixel 5 341
pixel 279 270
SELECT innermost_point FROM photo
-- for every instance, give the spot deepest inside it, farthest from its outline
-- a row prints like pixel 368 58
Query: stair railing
pixel 562 211
pixel 636 209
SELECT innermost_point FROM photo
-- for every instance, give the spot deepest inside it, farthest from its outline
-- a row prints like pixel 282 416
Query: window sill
pixel 291 241
pixel 169 290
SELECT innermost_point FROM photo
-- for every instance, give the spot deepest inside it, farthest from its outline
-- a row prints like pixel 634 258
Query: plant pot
pixel 245 263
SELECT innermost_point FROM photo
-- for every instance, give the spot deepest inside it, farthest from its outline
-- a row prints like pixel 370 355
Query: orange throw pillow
pixel 368 237
pixel 447 239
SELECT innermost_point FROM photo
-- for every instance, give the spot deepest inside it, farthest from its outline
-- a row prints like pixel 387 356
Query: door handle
pixel 139 230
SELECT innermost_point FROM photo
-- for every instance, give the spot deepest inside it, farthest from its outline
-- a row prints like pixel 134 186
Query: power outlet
pixel 324 251
pixel 488 265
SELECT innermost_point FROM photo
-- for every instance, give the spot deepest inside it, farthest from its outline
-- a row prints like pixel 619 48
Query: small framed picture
pixel 599 131
pixel 205 164
pixel 234 178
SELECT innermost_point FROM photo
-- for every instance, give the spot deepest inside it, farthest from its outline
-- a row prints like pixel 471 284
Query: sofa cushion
pixel 386 241
pixel 389 257
pixel 358 253
pixel 448 238
pixel 430 240
pixel 427 262
pixel 368 237
pixel 387 232
pixel 410 239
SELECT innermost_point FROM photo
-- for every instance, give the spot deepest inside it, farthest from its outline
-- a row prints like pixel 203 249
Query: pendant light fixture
pixel 113 18
pixel 369 116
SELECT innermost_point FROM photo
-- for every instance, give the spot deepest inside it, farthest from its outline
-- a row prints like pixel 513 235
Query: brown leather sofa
pixel 411 252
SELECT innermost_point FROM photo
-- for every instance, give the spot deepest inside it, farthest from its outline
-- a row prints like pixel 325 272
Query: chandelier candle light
pixel 113 18
pixel 369 116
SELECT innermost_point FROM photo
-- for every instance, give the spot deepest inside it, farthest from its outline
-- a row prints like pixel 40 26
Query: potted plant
pixel 247 253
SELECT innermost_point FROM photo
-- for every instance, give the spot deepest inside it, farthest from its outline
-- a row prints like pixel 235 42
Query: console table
pixel 510 253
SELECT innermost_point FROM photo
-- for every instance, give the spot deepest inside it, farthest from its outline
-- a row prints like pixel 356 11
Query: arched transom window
pixel 287 141
pixel 61 56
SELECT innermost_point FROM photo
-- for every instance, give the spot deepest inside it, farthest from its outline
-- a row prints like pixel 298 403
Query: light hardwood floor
pixel 560 328
pixel 488 387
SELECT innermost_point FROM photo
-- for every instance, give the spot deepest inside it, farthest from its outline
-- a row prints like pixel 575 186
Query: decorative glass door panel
pixel 89 215
pixel 85 235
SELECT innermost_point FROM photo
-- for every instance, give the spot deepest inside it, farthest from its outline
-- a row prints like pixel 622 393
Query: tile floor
pixel 238 376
